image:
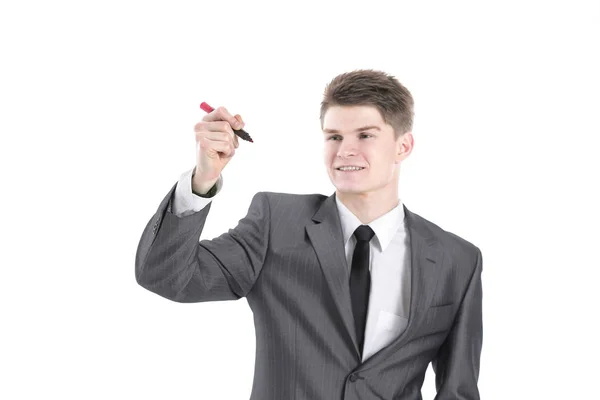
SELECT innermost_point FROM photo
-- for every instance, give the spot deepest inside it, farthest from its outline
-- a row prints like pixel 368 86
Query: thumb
pixel 239 121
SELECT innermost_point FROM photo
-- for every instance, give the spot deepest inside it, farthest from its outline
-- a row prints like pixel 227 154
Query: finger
pixel 220 146
pixel 215 135
pixel 238 117
pixel 213 126
pixel 216 130
pixel 221 114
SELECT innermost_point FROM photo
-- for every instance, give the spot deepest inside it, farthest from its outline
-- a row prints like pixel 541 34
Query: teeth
pixel 350 168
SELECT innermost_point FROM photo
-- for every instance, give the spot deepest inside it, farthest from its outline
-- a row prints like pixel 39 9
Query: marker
pixel 240 132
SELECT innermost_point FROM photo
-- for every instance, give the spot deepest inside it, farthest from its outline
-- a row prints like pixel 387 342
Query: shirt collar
pixel 385 227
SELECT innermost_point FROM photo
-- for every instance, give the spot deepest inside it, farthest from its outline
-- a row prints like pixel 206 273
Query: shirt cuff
pixel 185 202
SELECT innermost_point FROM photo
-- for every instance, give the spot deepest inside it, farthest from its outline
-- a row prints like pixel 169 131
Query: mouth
pixel 350 170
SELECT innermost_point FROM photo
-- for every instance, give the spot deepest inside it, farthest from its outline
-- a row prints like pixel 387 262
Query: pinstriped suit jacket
pixel 286 257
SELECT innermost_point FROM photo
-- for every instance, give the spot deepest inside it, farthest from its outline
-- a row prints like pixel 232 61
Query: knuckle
pixel 201 132
pixel 199 126
pixel 222 111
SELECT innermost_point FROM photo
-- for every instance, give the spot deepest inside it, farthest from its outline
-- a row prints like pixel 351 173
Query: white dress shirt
pixel 389 260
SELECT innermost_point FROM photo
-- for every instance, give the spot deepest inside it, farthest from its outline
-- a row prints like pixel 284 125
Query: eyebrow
pixel 364 128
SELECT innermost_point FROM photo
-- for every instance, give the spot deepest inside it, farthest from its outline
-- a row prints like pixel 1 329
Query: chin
pixel 350 190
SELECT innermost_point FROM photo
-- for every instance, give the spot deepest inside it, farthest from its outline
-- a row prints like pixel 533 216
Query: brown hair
pixel 372 88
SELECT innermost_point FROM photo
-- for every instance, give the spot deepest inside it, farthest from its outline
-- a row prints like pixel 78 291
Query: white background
pixel 98 101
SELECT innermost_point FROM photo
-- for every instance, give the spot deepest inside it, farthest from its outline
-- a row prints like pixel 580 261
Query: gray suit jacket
pixel 286 257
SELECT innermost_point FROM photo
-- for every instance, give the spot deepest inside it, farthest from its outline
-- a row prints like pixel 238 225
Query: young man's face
pixel 358 136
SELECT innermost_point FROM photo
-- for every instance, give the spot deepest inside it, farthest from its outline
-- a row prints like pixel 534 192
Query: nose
pixel 346 149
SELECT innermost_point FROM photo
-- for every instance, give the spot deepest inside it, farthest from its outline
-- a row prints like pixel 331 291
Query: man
pixel 353 295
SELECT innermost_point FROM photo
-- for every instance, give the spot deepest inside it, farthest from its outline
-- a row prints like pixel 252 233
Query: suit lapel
pixel 426 259
pixel 326 238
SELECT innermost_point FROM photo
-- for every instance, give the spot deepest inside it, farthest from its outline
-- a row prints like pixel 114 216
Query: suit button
pixel 353 378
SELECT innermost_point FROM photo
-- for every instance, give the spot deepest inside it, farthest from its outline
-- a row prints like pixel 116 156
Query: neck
pixel 368 206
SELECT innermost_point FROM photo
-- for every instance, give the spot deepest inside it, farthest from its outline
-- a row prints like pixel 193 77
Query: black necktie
pixel 360 281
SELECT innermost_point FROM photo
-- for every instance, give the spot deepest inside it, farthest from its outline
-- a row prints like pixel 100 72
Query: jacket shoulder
pixel 295 209
pixel 449 240
pixel 279 199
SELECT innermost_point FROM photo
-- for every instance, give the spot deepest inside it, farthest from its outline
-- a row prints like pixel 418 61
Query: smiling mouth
pixel 350 170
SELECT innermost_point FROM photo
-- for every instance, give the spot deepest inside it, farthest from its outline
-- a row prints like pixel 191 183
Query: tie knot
pixel 364 233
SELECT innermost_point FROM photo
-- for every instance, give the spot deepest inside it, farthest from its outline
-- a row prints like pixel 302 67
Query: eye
pixel 337 136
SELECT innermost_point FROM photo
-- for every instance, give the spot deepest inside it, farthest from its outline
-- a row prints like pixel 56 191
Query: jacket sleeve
pixel 456 365
pixel 171 261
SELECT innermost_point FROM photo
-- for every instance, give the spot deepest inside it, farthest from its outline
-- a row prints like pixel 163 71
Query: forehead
pixel 349 118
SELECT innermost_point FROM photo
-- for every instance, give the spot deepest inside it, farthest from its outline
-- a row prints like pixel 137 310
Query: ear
pixel 404 146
